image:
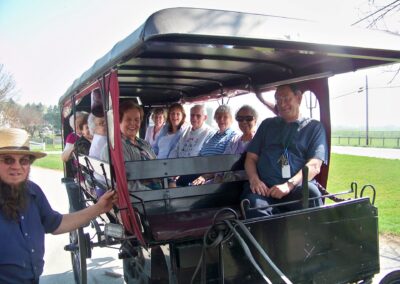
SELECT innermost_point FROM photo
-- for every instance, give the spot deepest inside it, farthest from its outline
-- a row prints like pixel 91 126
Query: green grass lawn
pixel 51 161
pixel 382 173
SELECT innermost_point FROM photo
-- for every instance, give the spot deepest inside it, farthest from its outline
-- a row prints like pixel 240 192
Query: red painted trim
pixel 128 216
pixel 320 88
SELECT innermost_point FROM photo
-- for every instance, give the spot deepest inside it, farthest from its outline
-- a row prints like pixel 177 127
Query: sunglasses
pixel 247 118
pixel 24 161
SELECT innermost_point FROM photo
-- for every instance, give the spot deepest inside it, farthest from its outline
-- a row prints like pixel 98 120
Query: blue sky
pixel 46 44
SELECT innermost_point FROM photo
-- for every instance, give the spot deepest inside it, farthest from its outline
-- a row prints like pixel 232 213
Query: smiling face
pixel 100 128
pixel 197 117
pixel 175 117
pixel 246 121
pixel 86 132
pixel 224 120
pixel 288 103
pixel 130 123
pixel 158 119
pixel 14 169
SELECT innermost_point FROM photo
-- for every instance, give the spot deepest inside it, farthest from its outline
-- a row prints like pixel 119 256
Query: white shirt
pixel 190 143
pixel 97 145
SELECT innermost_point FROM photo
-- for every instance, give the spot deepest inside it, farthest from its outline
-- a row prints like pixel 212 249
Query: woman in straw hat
pixel 25 213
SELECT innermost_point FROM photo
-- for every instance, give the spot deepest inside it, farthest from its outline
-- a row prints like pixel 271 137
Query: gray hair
pixel 223 109
pixel 249 108
pixel 80 115
pixel 201 108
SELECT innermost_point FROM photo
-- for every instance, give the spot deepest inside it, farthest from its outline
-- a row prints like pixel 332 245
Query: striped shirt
pixel 217 144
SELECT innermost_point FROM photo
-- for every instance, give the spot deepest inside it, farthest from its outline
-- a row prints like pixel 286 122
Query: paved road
pixel 104 261
pixel 58 267
pixel 368 152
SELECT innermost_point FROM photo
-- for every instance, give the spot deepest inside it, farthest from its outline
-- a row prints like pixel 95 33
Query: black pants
pixel 76 201
pixel 262 201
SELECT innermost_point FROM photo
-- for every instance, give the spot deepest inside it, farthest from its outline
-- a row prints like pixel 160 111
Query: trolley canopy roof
pixel 187 54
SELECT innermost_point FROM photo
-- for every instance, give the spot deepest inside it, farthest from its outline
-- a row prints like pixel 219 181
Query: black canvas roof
pixel 185 54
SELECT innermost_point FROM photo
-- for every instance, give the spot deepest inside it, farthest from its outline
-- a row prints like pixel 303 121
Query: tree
pixel 7 84
pixel 9 114
pixel 382 15
pixel 52 117
pixel 31 117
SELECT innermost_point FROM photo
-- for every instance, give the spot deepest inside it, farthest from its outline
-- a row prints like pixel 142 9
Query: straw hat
pixel 16 141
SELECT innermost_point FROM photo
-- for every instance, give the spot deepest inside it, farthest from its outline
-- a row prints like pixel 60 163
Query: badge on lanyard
pixel 285 167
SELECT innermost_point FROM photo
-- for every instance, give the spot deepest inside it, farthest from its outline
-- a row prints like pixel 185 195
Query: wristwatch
pixel 291 182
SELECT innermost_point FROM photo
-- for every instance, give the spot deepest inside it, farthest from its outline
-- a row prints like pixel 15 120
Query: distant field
pixel 382 173
pixel 384 139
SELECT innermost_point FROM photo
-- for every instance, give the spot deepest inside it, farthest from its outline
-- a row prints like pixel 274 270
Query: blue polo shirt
pixel 304 139
pixel 22 243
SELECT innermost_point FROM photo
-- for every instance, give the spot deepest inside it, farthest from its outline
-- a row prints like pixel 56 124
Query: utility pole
pixel 366 110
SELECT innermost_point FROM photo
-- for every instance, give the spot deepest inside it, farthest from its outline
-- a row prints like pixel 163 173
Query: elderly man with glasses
pixel 281 147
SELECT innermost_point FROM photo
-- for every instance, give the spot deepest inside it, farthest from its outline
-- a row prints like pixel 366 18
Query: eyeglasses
pixel 198 116
pixel 247 118
pixel 24 161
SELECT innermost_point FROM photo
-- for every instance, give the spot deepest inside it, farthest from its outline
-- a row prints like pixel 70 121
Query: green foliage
pixel 53 117
pixel 383 174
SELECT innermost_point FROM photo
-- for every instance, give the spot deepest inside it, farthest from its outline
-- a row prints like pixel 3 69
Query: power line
pixel 377 11
pixel 362 89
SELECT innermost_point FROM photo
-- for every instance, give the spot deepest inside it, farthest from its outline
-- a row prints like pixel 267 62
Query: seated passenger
pixel 83 143
pixel 281 147
pixel 97 127
pixel 217 144
pixel 192 141
pixel 246 117
pixel 190 144
pixel 133 147
pixel 75 121
pixel 152 132
pixel 171 131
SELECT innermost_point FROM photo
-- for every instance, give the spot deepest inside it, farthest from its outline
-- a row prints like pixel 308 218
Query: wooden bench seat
pixel 186 224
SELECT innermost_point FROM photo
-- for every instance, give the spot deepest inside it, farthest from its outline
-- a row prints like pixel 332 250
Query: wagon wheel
pixel 136 268
pixel 81 243
pixel 391 278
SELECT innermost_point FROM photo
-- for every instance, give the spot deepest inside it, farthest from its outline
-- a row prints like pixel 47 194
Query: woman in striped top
pixel 217 144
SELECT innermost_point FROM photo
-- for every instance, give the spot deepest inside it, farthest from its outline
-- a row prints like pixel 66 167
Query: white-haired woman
pixel 246 117
pixel 217 144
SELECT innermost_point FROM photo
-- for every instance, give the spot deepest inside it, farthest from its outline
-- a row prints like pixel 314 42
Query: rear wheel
pixel 81 244
pixel 391 278
pixel 136 267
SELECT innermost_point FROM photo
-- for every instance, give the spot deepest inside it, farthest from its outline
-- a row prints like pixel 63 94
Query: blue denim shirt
pixel 304 139
pixel 22 243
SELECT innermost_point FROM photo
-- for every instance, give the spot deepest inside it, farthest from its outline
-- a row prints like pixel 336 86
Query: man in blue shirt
pixel 281 147
pixel 25 213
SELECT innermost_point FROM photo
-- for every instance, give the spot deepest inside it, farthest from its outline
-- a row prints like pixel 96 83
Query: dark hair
pixel 181 109
pixel 128 105
pixel 294 88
